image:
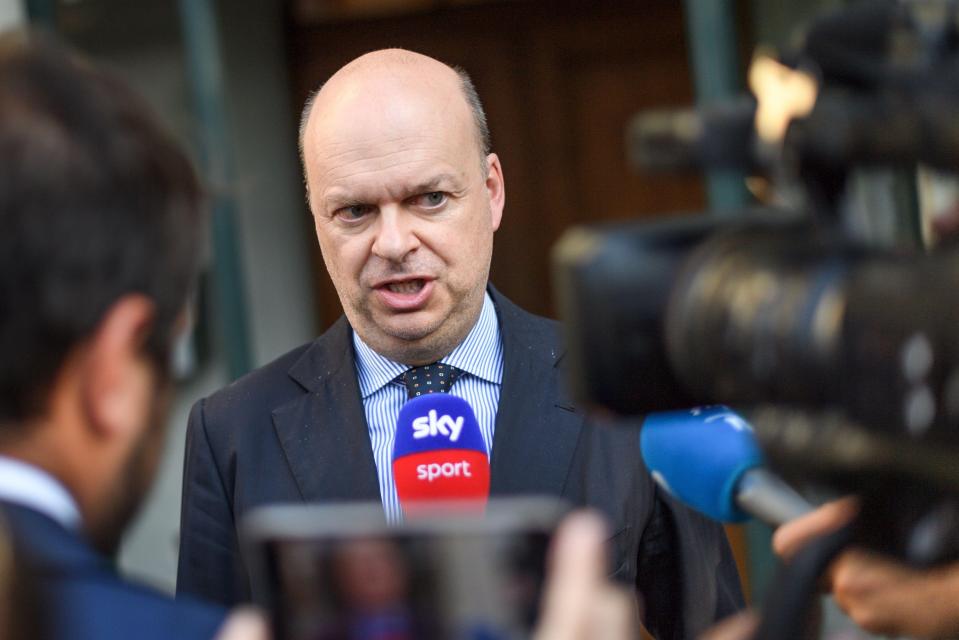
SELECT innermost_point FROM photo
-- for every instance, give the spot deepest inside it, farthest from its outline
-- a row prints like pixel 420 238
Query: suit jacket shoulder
pixel 83 598
pixel 526 326
pixel 263 388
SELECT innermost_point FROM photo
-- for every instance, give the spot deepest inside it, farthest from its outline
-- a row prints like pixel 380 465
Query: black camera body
pixel 845 354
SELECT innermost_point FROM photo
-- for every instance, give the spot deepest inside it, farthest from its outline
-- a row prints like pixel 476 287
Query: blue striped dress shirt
pixel 479 356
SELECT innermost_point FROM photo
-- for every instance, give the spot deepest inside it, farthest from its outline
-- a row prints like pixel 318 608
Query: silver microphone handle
pixel 767 497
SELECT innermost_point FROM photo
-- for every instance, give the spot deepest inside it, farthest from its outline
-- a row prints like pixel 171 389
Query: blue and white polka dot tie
pixel 430 378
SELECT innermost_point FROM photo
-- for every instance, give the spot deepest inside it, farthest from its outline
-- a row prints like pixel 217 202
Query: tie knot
pixel 430 378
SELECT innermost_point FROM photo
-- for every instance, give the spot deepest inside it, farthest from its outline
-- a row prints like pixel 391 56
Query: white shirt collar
pixel 29 486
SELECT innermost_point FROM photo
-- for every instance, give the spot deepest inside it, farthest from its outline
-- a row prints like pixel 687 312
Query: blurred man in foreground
pixel 101 219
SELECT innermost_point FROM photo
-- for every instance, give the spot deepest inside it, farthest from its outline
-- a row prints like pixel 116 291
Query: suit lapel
pixel 536 427
pixel 324 433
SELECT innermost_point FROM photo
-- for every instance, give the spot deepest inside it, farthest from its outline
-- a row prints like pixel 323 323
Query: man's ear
pixel 117 380
pixel 496 189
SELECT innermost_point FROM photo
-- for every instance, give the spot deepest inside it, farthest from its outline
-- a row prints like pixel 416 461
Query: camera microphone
pixel 440 460
pixel 708 458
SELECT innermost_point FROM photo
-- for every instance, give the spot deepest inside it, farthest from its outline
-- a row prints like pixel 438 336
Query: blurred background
pixel 560 81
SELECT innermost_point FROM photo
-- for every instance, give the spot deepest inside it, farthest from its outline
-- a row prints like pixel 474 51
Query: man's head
pixel 405 197
pixel 102 224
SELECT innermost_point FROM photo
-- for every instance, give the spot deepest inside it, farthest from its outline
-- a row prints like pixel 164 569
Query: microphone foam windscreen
pixel 699 456
pixel 439 455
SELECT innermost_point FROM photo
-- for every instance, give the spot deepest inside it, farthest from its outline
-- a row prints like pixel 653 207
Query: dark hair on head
pixel 96 202
pixel 479 115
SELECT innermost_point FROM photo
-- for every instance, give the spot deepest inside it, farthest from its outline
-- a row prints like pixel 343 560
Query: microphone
pixel 439 456
pixel 708 458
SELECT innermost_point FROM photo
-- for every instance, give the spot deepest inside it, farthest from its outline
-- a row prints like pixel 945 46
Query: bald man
pixel 406 197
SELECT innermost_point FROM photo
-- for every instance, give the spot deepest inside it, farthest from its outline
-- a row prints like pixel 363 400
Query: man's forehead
pixel 368 109
pixel 383 130
pixel 380 100
pixel 410 140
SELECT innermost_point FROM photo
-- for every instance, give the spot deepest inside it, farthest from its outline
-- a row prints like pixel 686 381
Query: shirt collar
pixel 29 486
pixel 480 354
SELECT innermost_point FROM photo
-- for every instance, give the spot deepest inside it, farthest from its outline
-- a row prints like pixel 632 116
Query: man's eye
pixel 353 212
pixel 431 200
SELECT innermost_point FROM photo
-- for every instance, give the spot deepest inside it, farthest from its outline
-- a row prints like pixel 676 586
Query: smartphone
pixel 339 572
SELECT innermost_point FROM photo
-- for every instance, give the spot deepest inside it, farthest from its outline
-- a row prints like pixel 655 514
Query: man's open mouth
pixel 409 286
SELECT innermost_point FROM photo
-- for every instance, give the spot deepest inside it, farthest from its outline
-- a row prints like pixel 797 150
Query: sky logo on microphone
pixel 431 426
pixel 437 421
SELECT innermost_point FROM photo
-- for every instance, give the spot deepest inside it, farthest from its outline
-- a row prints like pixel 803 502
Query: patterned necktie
pixel 430 378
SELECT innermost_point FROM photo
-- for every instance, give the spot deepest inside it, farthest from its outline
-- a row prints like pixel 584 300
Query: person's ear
pixel 496 189
pixel 117 377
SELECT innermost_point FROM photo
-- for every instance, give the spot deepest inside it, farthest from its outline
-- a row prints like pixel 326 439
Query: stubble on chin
pixel 419 344
pixel 412 345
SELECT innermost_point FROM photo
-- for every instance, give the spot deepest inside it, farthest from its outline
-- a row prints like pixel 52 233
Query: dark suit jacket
pixel 295 430
pixel 82 598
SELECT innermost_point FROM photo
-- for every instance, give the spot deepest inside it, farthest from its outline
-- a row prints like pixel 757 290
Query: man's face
pixel 403 209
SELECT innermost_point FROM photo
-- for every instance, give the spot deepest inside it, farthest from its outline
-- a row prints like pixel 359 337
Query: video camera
pixel 844 350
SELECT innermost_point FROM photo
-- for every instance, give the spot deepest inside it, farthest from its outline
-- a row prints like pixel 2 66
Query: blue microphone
pixel 439 456
pixel 708 458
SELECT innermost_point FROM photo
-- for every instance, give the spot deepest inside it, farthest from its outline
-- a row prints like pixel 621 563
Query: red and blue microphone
pixel 440 459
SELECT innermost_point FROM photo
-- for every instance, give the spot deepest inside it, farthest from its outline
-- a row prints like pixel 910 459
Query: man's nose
pixel 395 236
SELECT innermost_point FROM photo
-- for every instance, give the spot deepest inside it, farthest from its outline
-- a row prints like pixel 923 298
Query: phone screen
pixel 478 582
